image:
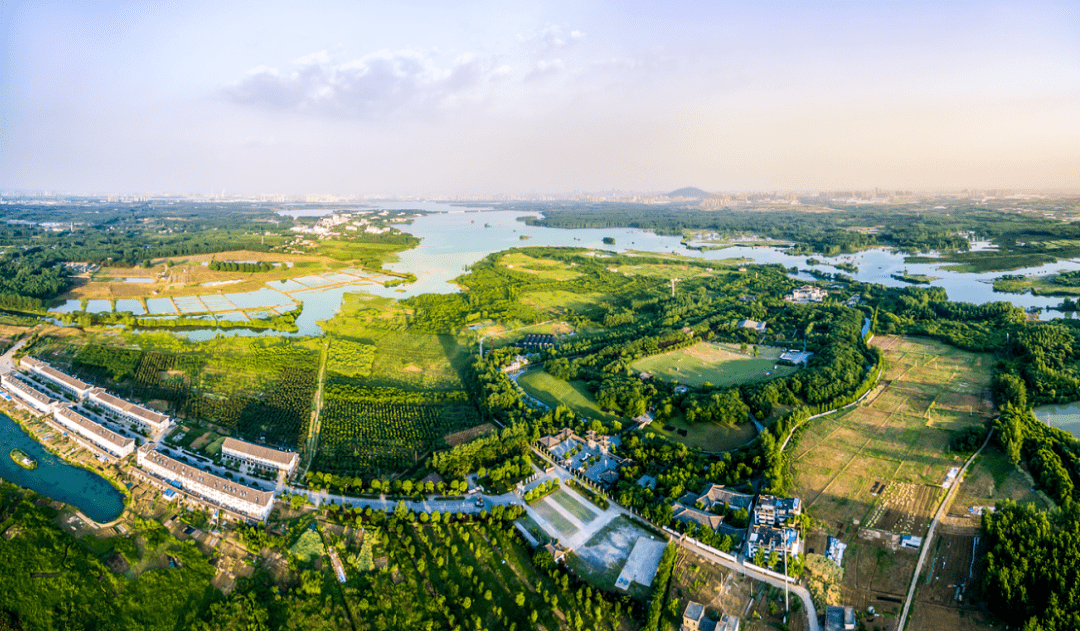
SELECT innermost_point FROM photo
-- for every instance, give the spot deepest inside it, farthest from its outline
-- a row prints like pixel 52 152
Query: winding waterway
pixel 454 237
pixel 56 479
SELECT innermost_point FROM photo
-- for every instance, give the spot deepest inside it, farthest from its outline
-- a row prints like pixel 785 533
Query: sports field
pixel 554 392
pixel 718 364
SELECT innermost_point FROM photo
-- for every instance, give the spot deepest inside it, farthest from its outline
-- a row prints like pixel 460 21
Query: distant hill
pixel 690 191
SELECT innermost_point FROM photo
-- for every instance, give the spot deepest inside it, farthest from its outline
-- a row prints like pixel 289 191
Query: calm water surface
pixel 1065 416
pixel 54 478
pixel 453 237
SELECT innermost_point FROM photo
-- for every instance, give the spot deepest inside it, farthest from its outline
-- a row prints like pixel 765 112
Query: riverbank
pixel 66 471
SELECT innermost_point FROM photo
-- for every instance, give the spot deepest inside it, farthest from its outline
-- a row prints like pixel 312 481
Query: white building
pixel 754 325
pixel 259 455
pixel 67 383
pixel 30 396
pixel 96 433
pixel 245 500
pixel 130 411
pixel 807 293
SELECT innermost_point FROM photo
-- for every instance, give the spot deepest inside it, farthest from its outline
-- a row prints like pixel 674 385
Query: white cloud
pixel 374 85
pixel 545 68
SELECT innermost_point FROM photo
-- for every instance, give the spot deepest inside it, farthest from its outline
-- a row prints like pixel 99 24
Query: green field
pixel 554 392
pixel 718 364
pixel 553 517
pixel 574 507
pixel 899 434
pixel 709 437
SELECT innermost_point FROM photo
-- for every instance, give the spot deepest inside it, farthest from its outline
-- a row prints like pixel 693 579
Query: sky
pixel 487 98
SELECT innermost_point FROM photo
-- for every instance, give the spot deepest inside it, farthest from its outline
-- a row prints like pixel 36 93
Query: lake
pixel 56 479
pixel 455 237
pixel 1064 416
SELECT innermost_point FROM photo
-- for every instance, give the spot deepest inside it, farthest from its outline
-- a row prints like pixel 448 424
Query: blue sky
pixel 497 97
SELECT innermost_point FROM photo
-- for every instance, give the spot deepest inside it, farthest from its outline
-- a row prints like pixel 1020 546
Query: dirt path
pixel 930 533
pixel 314 427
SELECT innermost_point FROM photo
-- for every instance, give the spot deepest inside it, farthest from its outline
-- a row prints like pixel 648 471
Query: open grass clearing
pixel 718 364
pixel 541 268
pixel 559 300
pixel 555 392
pixel 708 437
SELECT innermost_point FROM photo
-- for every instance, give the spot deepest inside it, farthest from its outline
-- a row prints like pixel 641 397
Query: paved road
pixel 802 593
pixel 428 505
pixel 930 533
pixel 7 364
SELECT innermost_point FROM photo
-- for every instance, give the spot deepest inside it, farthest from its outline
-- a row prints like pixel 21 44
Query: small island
pixel 23 459
pixel 915 279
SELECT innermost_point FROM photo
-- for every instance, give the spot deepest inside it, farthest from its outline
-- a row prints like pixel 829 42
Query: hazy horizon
pixel 485 99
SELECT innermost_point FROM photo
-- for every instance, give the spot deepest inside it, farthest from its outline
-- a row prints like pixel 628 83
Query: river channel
pixel 454 237
pixel 56 479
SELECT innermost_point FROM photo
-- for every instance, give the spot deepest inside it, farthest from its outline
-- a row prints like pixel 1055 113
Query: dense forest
pixel 939 225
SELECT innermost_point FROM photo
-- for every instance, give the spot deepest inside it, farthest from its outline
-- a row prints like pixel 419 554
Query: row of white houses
pixel 114 406
pixel 251 503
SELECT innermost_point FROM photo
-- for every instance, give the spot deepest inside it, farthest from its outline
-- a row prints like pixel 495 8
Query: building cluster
pixel 694 619
pixel 704 508
pixel 770 526
pixel 590 456
pixel 71 416
pixel 353 221
pixel 77 416
pixel 807 293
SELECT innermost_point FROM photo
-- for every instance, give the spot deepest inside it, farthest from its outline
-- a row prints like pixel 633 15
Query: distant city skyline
pixel 537 98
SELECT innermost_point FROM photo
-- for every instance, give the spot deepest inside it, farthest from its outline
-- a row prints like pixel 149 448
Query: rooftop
pixel 54 374
pixel 95 428
pixel 188 474
pixel 137 411
pixel 258 451
pixel 29 391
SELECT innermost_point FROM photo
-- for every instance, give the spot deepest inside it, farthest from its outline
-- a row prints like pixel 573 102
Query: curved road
pixel 801 592
pixel 930 533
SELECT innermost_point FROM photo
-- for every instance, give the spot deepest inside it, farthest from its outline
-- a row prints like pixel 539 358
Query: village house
pixel 839 618
pixel 753 325
pixel 96 433
pixel 75 387
pixel 131 412
pixel 775 511
pixel 769 539
pixel 259 455
pixel 32 397
pixel 249 502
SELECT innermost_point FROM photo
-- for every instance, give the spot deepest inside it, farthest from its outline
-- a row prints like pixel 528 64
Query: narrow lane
pixel 930 533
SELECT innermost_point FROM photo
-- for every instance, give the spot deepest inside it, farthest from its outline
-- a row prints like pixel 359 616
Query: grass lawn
pixel 992 478
pixel 708 437
pixel 406 359
pixel 718 364
pixel 574 507
pixel 552 516
pixel 554 392
pixel 541 268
